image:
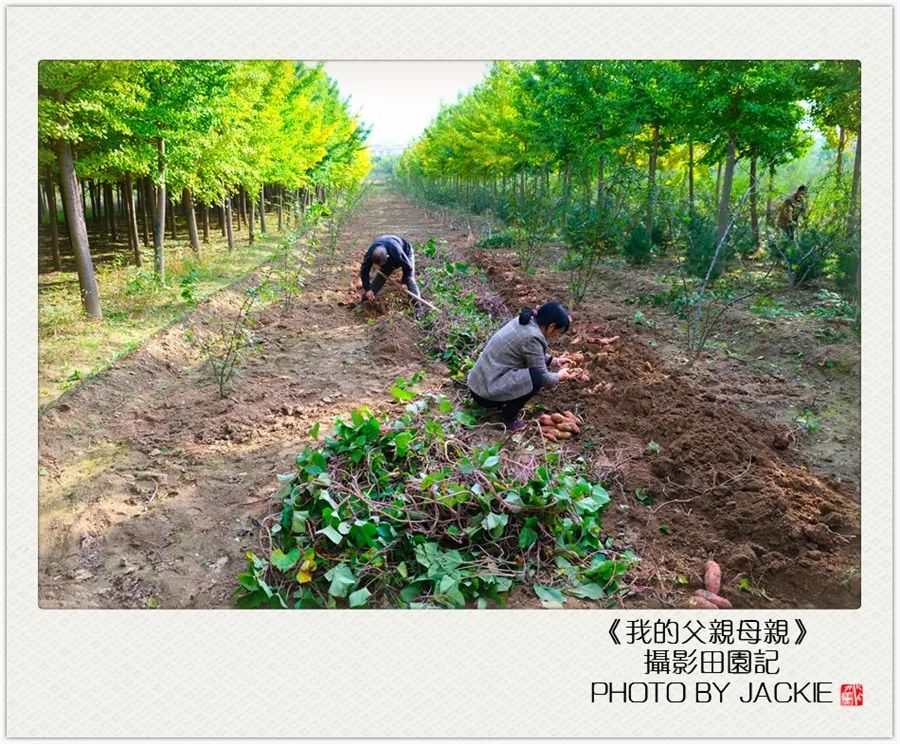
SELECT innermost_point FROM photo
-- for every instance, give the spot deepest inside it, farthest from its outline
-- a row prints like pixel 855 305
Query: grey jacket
pixel 501 372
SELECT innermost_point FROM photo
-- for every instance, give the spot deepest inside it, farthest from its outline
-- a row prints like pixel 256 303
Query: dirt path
pixel 155 486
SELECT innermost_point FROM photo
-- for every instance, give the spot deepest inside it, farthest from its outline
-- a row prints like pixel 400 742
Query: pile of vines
pixel 413 512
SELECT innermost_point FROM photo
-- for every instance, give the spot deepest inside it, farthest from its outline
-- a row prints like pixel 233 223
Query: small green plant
pixel 188 283
pixel 223 350
pixel 745 585
pixel 653 447
pixel 644 495
pixel 809 422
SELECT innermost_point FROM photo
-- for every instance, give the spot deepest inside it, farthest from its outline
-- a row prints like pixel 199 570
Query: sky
pixel 399 99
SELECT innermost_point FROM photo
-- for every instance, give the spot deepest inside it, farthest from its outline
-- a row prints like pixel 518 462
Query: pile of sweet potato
pixel 709 599
pixel 556 426
pixel 601 388
pixel 594 340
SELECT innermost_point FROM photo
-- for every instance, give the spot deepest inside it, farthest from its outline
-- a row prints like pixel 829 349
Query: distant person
pixel 513 366
pixel 386 254
pixel 791 211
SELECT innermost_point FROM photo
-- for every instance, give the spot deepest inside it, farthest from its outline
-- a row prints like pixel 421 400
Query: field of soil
pixel 153 486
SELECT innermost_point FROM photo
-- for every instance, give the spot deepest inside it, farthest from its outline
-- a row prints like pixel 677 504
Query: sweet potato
pixel 545 420
pixel 714 598
pixel 569 426
pixel 571 415
pixel 713 577
pixel 549 434
pixel 563 434
pixel 558 418
pixel 698 603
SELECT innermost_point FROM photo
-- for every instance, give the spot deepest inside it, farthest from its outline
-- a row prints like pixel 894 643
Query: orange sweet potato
pixel 713 577
pixel 714 598
pixel 698 603
pixel 558 418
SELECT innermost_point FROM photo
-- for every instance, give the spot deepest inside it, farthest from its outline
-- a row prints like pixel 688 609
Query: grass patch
pixel 135 304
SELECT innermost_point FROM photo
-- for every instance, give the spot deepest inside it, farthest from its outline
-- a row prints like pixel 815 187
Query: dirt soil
pixel 154 486
pixel 728 482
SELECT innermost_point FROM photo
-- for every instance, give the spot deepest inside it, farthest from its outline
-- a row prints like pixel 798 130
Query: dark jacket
pixel 400 255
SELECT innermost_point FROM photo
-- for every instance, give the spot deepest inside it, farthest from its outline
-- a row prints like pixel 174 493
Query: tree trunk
pixel 54 226
pixel 251 218
pixel 725 200
pixel 651 180
pixel 601 185
pixel 41 207
pixel 83 202
pixel 187 201
pixel 241 212
pixel 90 299
pixel 110 212
pixel 159 216
pixel 280 207
pixel 205 212
pixel 853 211
pixel 754 211
pixel 173 228
pixel 229 228
pixel 145 209
pixel 131 217
pixel 691 177
pixel 262 210
pixel 770 192
pixel 222 218
pixel 95 212
pixel 842 143
pixel 718 182
pixel 117 200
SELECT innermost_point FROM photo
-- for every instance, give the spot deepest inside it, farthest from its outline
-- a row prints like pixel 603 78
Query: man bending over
pixel 386 254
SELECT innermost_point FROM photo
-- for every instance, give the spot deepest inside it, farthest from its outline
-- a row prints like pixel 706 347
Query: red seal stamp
pixel 851 694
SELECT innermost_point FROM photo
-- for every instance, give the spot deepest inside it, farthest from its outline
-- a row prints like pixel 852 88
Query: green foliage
pixel 411 512
pixel 809 422
pixel 637 247
pixel 701 242
pixel 188 283
pixel 501 239
pixel 804 257
pixel 470 311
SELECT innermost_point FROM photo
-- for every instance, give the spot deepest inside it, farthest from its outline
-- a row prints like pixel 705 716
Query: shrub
pixel 701 244
pixel 502 239
pixel 637 247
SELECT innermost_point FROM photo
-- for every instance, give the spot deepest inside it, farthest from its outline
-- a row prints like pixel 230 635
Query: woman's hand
pixel 565 374
pixel 370 295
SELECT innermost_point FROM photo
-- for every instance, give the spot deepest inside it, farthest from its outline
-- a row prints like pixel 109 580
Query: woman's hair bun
pixel 526 315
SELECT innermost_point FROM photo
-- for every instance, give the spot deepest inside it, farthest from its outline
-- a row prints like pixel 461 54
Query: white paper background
pixel 396 673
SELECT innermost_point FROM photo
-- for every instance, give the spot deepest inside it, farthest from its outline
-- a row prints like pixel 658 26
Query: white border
pixel 524 673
